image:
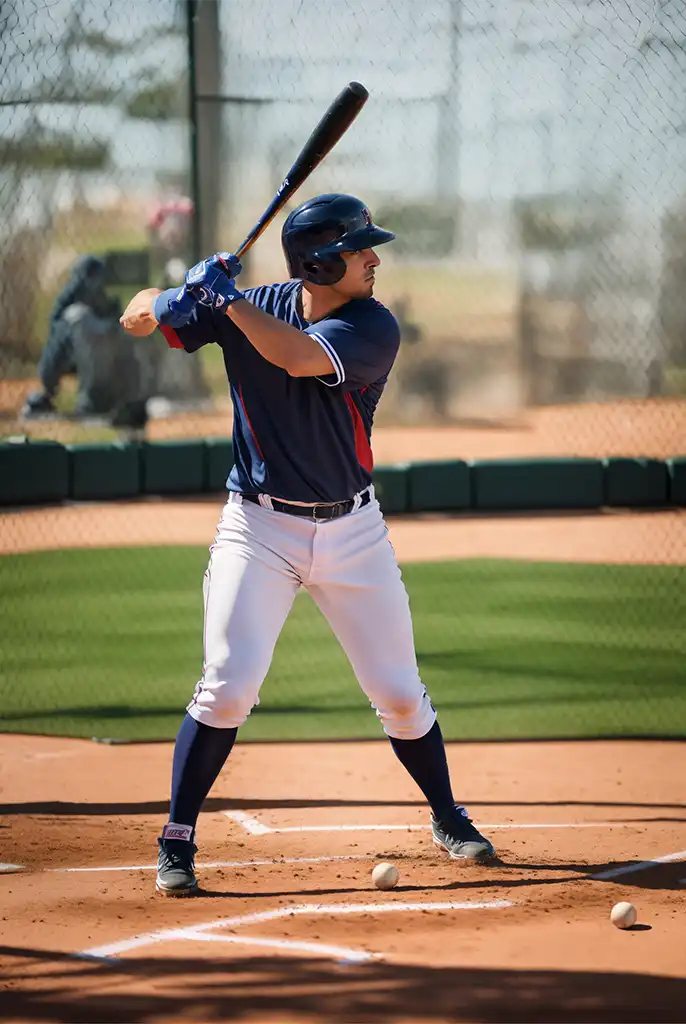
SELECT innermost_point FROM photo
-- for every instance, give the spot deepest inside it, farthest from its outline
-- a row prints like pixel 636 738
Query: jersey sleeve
pixel 203 326
pixel 189 333
pixel 361 350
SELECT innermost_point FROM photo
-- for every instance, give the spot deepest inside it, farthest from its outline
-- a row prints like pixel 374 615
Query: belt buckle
pixel 321 519
pixel 333 509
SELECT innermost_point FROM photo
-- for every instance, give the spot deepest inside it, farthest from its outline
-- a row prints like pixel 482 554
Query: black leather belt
pixel 318 513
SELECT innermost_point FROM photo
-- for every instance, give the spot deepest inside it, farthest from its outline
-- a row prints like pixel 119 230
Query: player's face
pixel 358 280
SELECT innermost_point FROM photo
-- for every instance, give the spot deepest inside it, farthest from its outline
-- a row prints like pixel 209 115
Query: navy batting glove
pixel 211 282
pixel 229 263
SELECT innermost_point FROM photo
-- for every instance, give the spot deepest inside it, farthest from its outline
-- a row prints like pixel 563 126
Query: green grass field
pixel 107 643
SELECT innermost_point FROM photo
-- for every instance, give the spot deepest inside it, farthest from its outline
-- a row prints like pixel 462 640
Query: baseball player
pixel 307 361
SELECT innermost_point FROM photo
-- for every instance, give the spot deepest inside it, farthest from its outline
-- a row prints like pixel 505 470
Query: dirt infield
pixel 288 926
pixel 649 538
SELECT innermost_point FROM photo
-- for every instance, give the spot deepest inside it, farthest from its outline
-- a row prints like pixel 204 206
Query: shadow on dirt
pixel 498 875
pixel 50 986
pixel 213 803
pixel 69 807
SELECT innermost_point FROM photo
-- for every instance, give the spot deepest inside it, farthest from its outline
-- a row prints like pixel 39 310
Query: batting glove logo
pixel 196 273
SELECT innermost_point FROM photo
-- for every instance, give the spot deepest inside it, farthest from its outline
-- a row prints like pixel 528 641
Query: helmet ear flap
pixel 322 272
pixel 328 271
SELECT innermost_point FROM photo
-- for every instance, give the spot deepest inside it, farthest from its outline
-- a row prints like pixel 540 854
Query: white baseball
pixel 623 915
pixel 385 875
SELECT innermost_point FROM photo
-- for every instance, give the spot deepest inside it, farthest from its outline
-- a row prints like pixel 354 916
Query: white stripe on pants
pixel 258 561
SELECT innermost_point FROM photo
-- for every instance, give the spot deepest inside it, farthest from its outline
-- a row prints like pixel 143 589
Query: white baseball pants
pixel 259 560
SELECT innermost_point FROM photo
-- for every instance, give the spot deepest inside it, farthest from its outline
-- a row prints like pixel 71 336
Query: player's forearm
pixel 279 342
pixel 138 318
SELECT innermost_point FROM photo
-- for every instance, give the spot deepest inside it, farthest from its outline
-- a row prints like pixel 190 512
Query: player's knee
pixel 407 714
pixel 222 704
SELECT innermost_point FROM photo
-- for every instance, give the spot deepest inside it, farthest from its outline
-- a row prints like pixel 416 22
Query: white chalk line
pixel 257 828
pixel 249 823
pixel 310 909
pixel 259 862
pixel 254 827
pixel 342 954
pixel 274 862
pixel 388 907
pixel 291 945
pixel 629 869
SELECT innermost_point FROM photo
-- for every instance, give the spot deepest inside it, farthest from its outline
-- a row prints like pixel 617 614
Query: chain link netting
pixel 94 204
pixel 531 157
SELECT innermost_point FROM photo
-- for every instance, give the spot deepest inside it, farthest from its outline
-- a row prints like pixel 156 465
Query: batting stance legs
pixel 259 560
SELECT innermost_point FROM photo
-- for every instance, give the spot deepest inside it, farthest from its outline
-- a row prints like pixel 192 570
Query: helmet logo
pixel 367 216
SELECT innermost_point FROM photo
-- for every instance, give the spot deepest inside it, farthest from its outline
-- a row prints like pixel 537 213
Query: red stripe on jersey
pixel 171 336
pixel 362 446
pixel 247 420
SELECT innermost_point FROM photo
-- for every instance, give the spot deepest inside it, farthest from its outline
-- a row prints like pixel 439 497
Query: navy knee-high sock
pixel 199 756
pixel 426 762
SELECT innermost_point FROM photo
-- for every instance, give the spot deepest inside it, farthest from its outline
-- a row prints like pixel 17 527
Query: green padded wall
pixel 391 488
pixel 219 461
pixel 173 467
pixel 677 480
pixel 520 484
pixel 101 471
pixel 635 483
pixel 32 471
pixel 439 486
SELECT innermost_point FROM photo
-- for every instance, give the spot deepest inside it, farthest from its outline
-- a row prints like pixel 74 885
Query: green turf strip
pixel 108 643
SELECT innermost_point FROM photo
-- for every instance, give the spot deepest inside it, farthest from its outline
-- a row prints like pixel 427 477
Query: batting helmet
pixel 320 229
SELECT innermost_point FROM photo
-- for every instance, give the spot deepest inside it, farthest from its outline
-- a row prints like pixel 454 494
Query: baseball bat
pixel 330 129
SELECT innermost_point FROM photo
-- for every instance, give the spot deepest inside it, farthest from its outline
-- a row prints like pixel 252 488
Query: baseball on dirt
pixel 623 915
pixel 385 875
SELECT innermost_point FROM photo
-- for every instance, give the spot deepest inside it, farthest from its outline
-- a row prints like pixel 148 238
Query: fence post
pixel 204 44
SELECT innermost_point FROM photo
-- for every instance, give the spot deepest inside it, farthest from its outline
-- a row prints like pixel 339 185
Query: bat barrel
pixel 335 122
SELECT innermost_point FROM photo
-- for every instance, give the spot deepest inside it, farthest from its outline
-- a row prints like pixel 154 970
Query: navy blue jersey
pixel 301 438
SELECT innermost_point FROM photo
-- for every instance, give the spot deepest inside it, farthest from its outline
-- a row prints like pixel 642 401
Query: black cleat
pixel 456 834
pixel 175 867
